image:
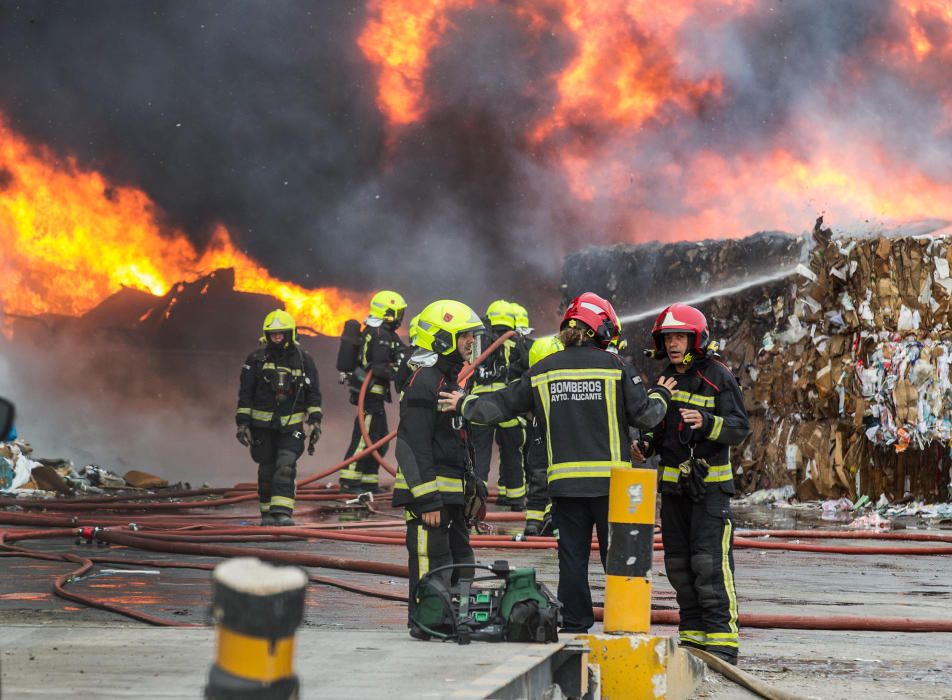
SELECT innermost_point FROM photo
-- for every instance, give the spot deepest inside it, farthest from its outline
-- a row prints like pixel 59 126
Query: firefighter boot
pixel 533 528
pixel 283 519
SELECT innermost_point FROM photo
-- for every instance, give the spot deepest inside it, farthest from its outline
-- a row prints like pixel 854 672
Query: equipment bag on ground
pixel 507 605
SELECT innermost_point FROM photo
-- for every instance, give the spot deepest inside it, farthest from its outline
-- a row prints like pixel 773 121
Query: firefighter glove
pixel 244 435
pixel 691 481
pixel 313 437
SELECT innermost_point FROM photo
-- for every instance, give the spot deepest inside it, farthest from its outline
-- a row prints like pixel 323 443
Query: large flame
pixel 398 38
pixel 69 239
pixel 631 85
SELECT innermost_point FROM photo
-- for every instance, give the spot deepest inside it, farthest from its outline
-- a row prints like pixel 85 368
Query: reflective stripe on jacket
pixel 584 399
pixel 708 387
pixel 260 387
pixel 432 450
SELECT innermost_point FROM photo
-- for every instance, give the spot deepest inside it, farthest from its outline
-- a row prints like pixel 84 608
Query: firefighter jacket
pixel 500 369
pixel 520 362
pixel 381 352
pixel 433 453
pixel 279 389
pixel 584 399
pixel 709 387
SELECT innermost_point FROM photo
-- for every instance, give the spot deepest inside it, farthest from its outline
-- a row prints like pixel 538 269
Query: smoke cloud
pixel 165 411
pixel 265 117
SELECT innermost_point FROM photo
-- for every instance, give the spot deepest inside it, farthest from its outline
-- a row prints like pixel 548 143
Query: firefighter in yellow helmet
pixel 522 337
pixel 432 450
pixel 279 397
pixel 408 365
pixel 495 372
pixel 538 506
pixel 381 351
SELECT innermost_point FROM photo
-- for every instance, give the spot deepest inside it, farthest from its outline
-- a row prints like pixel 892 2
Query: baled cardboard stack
pixel 851 394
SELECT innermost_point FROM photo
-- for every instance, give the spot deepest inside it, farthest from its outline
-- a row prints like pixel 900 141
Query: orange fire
pixel 918 15
pixel 398 39
pixel 631 82
pixel 70 239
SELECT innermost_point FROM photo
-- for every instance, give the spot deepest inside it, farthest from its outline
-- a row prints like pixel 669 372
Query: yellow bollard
pixel 633 664
pixel 257 607
pixel 631 516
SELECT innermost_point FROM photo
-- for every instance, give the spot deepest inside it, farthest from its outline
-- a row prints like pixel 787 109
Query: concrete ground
pixel 354 646
pixel 96 661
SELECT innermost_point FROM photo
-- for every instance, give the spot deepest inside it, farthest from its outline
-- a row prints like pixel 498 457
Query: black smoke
pixel 262 116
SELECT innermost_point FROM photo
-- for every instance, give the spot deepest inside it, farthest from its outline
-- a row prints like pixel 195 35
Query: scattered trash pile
pixel 850 395
pixel 22 476
pixel 863 514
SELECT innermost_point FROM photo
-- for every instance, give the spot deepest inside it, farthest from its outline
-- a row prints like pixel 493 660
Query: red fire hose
pixel 187 544
pixel 464 374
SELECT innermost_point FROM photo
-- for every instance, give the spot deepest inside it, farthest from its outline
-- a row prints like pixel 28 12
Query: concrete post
pixel 257 608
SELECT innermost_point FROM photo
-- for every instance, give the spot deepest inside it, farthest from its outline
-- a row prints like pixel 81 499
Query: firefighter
pixel 495 372
pixel 381 352
pixel 584 397
pixel 279 397
pixel 523 336
pixel 618 344
pixel 705 417
pixel 538 506
pixel 433 455
pixel 408 365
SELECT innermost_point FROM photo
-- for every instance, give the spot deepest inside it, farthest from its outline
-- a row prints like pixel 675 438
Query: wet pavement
pixel 818 664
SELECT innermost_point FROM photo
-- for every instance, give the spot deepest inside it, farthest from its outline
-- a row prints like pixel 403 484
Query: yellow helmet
pixel 544 347
pixel 521 318
pixel 499 313
pixel 440 323
pixel 387 306
pixel 278 321
pixel 413 329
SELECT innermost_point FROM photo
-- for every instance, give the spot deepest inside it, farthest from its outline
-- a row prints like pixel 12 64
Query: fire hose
pixel 461 378
pixel 192 542
pixel 185 535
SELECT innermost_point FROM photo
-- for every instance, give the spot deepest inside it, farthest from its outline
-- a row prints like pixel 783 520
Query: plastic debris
pixel 783 493
pixel 873 521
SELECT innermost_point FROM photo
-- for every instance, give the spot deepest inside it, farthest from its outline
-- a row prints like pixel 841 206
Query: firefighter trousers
pixel 699 561
pixel 431 547
pixel 276 454
pixel 363 474
pixel 537 482
pixel 573 520
pixel 511 482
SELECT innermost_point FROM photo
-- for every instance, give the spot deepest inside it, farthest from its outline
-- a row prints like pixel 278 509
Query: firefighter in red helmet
pixel 584 399
pixel 705 417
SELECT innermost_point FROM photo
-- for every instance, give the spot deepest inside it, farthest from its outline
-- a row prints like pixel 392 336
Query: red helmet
pixel 681 318
pixel 597 314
